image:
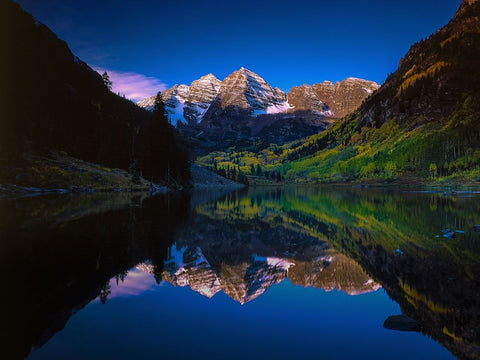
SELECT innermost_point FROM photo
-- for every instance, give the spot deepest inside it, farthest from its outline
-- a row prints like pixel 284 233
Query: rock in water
pixel 401 323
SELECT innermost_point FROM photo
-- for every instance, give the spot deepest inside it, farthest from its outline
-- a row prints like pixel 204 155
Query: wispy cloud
pixel 133 85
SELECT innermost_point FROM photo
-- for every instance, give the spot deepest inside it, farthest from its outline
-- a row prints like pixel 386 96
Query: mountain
pixel 422 124
pixel 245 93
pixel 67 107
pixel 242 92
pixel 217 114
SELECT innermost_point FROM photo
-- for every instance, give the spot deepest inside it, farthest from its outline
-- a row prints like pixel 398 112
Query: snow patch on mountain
pixel 187 103
pixel 274 109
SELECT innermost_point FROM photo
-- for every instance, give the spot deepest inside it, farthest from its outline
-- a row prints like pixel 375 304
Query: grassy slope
pixel 432 151
pixel 60 171
pixel 410 152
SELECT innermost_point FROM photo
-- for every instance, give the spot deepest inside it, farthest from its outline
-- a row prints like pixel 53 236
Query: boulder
pixel 401 323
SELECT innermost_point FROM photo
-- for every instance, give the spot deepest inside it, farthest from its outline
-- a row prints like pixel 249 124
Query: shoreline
pixel 13 191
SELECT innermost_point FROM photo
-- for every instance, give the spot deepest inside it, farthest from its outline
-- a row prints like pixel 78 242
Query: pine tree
pixel 158 145
pixel 106 81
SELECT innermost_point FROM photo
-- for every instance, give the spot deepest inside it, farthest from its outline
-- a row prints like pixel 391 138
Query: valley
pixel 314 195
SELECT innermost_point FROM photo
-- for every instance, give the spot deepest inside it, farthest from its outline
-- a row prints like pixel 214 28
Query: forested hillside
pixel 50 99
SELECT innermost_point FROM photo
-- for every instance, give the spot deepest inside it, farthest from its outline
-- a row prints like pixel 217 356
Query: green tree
pixel 367 170
pixel 159 108
pixel 433 171
pixel 158 145
pixel 279 176
pixel 390 169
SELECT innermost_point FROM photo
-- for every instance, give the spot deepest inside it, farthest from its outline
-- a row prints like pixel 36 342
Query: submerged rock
pixel 447 233
pixel 401 323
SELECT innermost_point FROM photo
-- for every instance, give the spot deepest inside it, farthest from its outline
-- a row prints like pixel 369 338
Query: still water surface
pixel 263 273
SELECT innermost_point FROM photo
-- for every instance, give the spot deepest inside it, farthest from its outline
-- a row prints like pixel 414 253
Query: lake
pixel 295 272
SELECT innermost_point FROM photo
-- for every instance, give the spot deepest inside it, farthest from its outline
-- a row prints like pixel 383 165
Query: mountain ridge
pixel 250 95
pixel 244 108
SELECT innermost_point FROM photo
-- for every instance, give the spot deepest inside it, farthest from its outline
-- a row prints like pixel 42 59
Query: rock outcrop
pixel 343 97
pixel 306 98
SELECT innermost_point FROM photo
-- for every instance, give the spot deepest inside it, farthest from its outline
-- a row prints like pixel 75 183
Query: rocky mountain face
pixel 347 94
pixel 244 92
pixel 187 103
pixel 244 105
pixel 332 100
pixel 306 98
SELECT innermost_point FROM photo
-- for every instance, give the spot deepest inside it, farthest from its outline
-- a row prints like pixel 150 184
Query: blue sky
pixel 150 45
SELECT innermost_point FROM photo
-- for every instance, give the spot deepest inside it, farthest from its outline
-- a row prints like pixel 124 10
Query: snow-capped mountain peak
pixel 244 95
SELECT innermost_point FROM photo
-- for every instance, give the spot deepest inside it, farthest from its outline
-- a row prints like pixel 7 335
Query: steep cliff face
pixel 204 90
pixel 342 98
pixel 305 98
pixel 350 93
pixel 245 94
pixel 202 93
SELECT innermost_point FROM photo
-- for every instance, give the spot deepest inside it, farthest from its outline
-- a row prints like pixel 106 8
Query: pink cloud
pixel 134 86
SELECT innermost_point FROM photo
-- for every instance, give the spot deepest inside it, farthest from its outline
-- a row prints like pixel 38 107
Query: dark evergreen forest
pixel 50 99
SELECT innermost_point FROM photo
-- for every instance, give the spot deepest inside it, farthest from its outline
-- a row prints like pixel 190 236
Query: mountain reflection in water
pixel 74 249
